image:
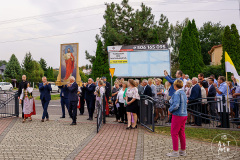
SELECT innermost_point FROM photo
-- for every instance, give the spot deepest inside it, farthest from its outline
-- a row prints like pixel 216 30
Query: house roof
pixel 213 48
pixel 3 67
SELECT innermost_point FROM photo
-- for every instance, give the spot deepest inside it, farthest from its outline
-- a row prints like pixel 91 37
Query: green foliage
pixel 13 68
pixel 210 34
pixel 215 70
pixel 190 57
pixel 3 62
pixel 43 64
pixel 50 74
pixel 84 78
pixel 231 45
pixel 89 57
pixel 100 66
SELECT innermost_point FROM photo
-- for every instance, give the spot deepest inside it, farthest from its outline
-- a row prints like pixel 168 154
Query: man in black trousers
pixel 90 97
pixel 107 87
pixel 73 99
pixel 82 101
pixel 211 97
pixel 21 86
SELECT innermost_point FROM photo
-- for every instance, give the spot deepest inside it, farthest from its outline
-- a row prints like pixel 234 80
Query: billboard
pixel 148 60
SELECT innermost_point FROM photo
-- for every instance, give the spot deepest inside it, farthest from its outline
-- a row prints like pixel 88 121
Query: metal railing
pixel 9 104
pixel 147 112
pixel 101 116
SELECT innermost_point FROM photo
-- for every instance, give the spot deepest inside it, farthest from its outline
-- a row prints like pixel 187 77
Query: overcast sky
pixel 28 19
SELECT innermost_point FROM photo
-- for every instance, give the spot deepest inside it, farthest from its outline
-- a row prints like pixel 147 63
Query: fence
pixel 147 112
pixel 101 116
pixel 205 112
pixel 9 104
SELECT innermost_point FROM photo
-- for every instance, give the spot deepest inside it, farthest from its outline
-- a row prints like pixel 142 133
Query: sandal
pixel 30 119
pixel 23 120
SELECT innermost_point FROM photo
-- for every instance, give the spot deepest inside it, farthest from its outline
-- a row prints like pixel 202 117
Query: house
pixel 2 69
pixel 216 55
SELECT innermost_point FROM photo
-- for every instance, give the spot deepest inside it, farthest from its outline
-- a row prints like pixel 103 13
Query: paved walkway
pixel 56 139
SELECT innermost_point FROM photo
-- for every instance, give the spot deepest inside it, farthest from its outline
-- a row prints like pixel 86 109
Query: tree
pixel 100 66
pixel 175 35
pixel 43 64
pixel 90 57
pixel 50 74
pixel 86 66
pixel 186 53
pixel 210 34
pixel 83 76
pixel 37 73
pixel 2 62
pixel 28 65
pixel 13 68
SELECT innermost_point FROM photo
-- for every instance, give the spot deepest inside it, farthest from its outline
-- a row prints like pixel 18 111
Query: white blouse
pixel 29 90
pixel 132 93
pixel 120 96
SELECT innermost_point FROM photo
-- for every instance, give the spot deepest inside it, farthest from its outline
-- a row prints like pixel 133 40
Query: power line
pixel 203 10
pixel 90 8
pixel 49 36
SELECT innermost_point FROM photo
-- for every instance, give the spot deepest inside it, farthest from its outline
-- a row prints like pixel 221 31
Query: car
pixel 6 86
pixel 54 87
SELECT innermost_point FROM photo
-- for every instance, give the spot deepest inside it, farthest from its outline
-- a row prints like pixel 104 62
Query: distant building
pixel 2 69
pixel 216 55
pixel 87 71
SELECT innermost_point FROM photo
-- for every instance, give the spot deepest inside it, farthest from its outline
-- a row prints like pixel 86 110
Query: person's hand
pixel 165 73
pixel 128 103
pixel 187 101
pixel 234 95
pixel 47 83
pixel 18 97
pixel 214 84
pixel 20 101
pixel 115 102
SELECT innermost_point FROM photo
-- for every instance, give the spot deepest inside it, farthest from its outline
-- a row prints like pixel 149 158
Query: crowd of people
pixel 175 100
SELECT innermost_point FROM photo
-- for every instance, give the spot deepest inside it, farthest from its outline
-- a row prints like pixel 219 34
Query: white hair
pixel 91 79
pixel 195 79
pixel 72 78
pixel 44 77
pixel 145 81
pixel 187 75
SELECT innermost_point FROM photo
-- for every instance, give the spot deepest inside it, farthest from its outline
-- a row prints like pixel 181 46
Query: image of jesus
pixel 69 60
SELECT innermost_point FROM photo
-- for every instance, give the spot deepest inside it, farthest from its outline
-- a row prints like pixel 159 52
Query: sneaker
pixel 182 153
pixel 173 154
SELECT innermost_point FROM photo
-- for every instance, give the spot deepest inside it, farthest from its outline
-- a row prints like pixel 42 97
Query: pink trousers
pixel 178 129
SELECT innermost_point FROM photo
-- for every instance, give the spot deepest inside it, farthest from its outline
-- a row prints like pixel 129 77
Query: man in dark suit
pixel 64 99
pixel 195 94
pixel 21 86
pixel 107 87
pixel 73 99
pixel 211 94
pixel 82 101
pixel 45 89
pixel 90 97
pixel 147 90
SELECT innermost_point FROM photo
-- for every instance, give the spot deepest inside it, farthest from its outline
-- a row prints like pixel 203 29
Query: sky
pixel 40 27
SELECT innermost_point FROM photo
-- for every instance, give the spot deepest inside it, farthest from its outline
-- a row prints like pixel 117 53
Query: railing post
pixel 16 105
pixel 153 124
pixel 224 116
pixel 104 109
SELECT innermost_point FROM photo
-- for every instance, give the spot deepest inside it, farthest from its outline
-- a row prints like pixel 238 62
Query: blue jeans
pixel 64 101
pixel 45 107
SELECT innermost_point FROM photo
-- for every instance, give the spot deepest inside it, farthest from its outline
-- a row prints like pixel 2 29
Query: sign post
pixel 112 70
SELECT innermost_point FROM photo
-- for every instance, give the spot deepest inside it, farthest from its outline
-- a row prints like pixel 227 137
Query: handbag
pixel 117 105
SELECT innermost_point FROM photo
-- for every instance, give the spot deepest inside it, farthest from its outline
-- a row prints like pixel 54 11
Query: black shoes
pixel 62 117
pixel 130 127
pixel 90 119
pixel 134 127
pixel 73 124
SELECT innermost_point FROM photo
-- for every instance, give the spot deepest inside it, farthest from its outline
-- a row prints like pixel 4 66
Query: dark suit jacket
pixel 195 93
pixel 64 91
pixel 21 86
pixel 45 91
pixel 148 91
pixel 108 88
pixel 212 92
pixel 89 92
pixel 72 94
pixel 82 93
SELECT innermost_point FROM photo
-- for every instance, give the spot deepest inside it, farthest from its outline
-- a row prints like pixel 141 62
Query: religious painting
pixel 68 63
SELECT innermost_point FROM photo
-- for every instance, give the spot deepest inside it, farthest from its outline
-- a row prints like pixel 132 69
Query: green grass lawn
pixel 201 134
pixel 53 97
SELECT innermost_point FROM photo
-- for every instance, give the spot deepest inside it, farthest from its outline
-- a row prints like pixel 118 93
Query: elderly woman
pixel 159 106
pixel 178 109
pixel 188 88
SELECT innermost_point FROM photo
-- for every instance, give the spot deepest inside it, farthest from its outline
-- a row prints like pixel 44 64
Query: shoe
pixel 125 122
pixel 42 120
pixel 81 113
pixel 23 120
pixel 47 119
pixel 219 126
pixel 73 124
pixel 134 127
pixel 173 154
pixel 30 119
pixel 90 119
pixel 182 153
pixel 130 127
pixel 120 122
pixel 62 117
